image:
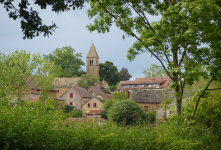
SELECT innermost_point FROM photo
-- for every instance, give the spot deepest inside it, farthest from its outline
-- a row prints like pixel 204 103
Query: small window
pixel 89 105
pixel 71 103
pixel 71 95
pixel 94 105
pixel 146 108
pixel 165 114
pixel 92 62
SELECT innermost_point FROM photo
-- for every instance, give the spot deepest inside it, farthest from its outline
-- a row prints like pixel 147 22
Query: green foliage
pixel 117 96
pixel 109 73
pixel 69 61
pixel 114 87
pixel 124 75
pixel 67 108
pixel 176 40
pixel 126 112
pixel 31 23
pixel 75 114
pixel 154 71
pixel 16 69
pixel 87 80
pixel 151 117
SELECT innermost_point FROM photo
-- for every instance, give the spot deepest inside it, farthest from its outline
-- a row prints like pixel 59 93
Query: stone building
pixel 147 83
pixel 150 99
pixel 92 61
pixel 93 104
pixel 76 96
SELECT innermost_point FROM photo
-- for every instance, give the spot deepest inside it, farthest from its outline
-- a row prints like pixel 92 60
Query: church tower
pixel 92 61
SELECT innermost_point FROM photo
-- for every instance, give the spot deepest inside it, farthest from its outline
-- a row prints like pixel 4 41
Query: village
pixel 110 75
pixel 148 92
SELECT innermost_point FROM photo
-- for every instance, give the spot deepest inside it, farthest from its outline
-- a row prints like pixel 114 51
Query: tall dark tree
pixel 124 75
pixel 69 61
pixel 108 72
pixel 31 23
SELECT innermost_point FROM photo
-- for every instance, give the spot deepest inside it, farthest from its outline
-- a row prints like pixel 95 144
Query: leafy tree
pixel 75 113
pixel 117 96
pixel 175 41
pixel 154 71
pixel 87 80
pixel 108 72
pixel 126 112
pixel 31 23
pixel 68 60
pixel 124 75
pixel 16 69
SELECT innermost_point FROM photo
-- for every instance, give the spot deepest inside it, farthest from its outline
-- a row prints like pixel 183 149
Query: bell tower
pixel 92 61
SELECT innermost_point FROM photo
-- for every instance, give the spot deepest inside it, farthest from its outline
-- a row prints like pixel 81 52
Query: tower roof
pixel 92 51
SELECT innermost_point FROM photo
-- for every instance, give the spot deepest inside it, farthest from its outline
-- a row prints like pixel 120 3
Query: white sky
pixel 72 32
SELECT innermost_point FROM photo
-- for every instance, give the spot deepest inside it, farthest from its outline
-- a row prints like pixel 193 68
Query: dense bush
pixel 25 128
pixel 67 109
pixel 126 112
pixel 75 114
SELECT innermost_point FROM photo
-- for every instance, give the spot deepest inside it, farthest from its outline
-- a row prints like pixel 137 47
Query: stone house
pixel 147 83
pixel 93 104
pixel 76 96
pixel 63 84
pixel 149 99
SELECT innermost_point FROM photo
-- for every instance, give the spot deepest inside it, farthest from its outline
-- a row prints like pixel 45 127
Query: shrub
pixel 75 114
pixel 127 112
pixel 67 109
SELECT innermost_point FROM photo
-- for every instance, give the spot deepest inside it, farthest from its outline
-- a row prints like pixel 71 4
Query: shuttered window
pixel 89 105
pixel 71 103
pixel 71 95
pixel 94 105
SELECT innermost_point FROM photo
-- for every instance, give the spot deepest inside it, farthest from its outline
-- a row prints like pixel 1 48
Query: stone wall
pixel 99 105
pixel 151 106
pixel 76 98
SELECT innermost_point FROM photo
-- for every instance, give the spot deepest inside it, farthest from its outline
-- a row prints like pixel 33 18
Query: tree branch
pixel 214 89
pixel 154 55
pixel 197 102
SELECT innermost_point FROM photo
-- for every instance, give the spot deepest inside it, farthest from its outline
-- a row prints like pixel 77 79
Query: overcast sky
pixel 72 32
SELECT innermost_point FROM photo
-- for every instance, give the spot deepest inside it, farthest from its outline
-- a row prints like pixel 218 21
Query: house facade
pixel 93 104
pixel 150 99
pixel 147 83
pixel 76 96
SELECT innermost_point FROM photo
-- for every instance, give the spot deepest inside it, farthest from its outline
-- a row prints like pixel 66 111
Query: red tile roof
pixel 96 112
pixel 162 81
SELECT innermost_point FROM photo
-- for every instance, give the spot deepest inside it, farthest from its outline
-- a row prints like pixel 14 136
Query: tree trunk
pixel 177 102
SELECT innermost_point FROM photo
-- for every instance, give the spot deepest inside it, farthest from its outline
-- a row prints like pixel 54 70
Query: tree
pixel 126 112
pixel 175 41
pixel 124 75
pixel 117 96
pixel 87 80
pixel 16 70
pixel 154 71
pixel 69 61
pixel 31 23
pixel 108 72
